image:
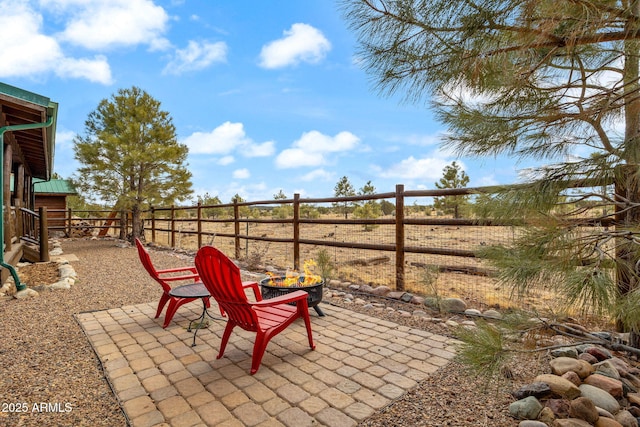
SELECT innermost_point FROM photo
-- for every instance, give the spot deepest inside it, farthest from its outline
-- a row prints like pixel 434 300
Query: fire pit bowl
pixel 270 289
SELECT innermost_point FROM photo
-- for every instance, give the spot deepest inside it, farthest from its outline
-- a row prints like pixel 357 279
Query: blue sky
pixel 267 95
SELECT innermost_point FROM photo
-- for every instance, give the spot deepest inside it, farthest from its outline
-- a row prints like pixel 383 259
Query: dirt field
pixel 362 266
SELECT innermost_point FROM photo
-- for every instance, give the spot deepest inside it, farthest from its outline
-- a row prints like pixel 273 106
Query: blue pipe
pixel 9 128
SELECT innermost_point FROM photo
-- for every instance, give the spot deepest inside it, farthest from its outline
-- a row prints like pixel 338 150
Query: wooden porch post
pixel 44 234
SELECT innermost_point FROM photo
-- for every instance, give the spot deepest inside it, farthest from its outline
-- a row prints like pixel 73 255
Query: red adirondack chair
pixel 266 318
pixel 164 277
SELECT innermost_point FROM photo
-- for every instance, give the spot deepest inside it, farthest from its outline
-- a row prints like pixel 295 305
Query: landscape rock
pixel 572 422
pixel 600 398
pixel 625 418
pixel 531 423
pixel 561 365
pixel 607 369
pixel 492 314
pixel 26 293
pixel 584 408
pixel 599 353
pixel 560 386
pixel 610 385
pixel 573 377
pixel 571 352
pixel 607 422
pixel 525 409
pixel 537 389
pixel 559 407
pixel 453 305
pixel 381 291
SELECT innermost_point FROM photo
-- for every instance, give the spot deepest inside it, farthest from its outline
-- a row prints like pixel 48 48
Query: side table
pixel 195 290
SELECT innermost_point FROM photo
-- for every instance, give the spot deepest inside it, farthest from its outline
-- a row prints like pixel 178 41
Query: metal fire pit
pixel 314 291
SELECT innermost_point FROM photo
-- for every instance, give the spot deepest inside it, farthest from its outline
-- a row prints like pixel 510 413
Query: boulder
pixel 560 386
pixel 600 398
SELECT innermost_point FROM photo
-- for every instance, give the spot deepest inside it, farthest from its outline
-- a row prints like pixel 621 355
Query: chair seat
pixel 270 317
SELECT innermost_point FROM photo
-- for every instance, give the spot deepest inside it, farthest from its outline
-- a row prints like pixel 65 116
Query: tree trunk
pixel 123 224
pixel 136 222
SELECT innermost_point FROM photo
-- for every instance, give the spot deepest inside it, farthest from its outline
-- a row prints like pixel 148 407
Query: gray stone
pixel 537 389
pixel 406 297
pixel 453 305
pixel 607 369
pixel 472 312
pixel 531 423
pixel 625 418
pixel 432 302
pixel 492 314
pixel 600 398
pixel 565 352
pixel 525 409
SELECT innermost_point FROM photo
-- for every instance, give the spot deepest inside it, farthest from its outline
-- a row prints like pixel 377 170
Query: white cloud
pixel 226 160
pixel 318 175
pixel 96 70
pixel 259 150
pixel 241 174
pixel 196 56
pixel 426 168
pixel 28 52
pixel 103 24
pixel 302 43
pixel 313 147
pixel 225 139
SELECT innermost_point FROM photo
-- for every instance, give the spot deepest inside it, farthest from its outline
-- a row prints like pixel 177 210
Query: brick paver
pixel 360 365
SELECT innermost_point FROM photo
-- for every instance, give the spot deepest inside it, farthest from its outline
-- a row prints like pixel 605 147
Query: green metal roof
pixel 29 108
pixel 55 186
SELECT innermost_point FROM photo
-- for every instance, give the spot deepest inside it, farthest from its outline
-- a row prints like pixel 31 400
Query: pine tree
pixel 452 177
pixel 130 156
pixel 344 189
pixel 550 81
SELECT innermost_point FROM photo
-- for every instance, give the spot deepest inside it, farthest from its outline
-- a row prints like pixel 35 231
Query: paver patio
pixel 361 364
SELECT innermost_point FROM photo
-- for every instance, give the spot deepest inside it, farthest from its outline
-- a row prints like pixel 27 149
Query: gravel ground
pixel 46 358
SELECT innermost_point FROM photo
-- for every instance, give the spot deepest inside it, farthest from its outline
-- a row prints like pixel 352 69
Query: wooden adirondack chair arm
pixel 282 299
pixel 177 270
pixel 256 290
pixel 195 277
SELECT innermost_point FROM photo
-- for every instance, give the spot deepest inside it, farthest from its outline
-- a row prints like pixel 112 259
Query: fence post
pixel 400 237
pixel 44 234
pixel 153 224
pixel 173 226
pixel 69 223
pixel 199 216
pixel 236 226
pixel 296 231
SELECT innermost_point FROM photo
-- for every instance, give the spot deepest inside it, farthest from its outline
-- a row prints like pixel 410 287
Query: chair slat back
pixel 222 278
pixel 145 259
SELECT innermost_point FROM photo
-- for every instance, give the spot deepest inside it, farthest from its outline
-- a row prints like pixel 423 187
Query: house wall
pixel 53 203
